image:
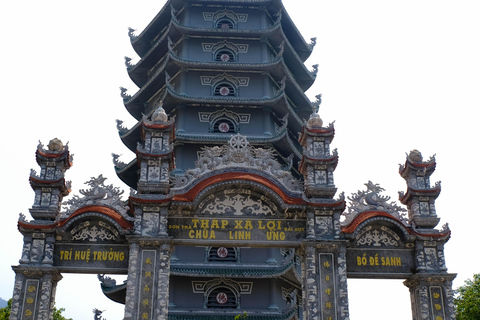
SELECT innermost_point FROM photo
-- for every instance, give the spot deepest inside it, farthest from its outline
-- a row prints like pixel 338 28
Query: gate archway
pixel 258 221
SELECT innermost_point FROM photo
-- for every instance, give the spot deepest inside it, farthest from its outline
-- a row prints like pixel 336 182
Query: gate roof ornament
pixel 371 200
pixel 238 153
pixel 99 194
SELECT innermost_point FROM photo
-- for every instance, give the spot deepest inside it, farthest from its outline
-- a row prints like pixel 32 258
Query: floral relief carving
pixel 93 234
pixel 236 205
pixel 383 237
pixel 377 239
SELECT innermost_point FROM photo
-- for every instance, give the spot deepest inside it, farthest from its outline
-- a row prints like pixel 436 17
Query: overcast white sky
pixel 395 75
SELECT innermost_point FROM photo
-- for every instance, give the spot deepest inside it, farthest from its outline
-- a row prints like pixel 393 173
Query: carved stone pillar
pixel 431 296
pixel 342 294
pixel 34 292
pixel 148 279
pixel 132 281
pixel 325 282
pixel 310 287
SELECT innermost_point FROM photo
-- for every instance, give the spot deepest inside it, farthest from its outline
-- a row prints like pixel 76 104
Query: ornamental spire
pixel 50 186
pixel 420 196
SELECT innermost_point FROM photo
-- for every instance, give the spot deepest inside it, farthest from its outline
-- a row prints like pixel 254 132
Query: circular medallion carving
pixel 222 252
pixel 221 298
pixel 223 127
pixel 224 91
pixel 225 57
pixel 238 142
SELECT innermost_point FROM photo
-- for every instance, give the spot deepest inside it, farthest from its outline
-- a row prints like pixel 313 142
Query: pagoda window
pixel 224 89
pixel 225 55
pixel 222 298
pixel 224 125
pixel 225 24
pixel 222 254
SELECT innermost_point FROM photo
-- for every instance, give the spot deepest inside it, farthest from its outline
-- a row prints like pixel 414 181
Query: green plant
pixel 5 312
pixel 467 301
pixel 241 316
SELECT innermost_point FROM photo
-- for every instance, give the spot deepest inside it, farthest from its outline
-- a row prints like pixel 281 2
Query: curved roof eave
pixel 234 66
pixel 144 39
pixel 279 139
pixel 233 271
pixel 138 72
pixel 294 90
pixel 277 67
pixel 278 101
pixel 172 64
pixel 132 137
pixel 128 174
pixel 289 314
pixel 363 218
pixel 275 34
pixel 141 43
pixel 190 192
pixel 304 49
pixel 226 32
pixel 135 105
pixel 307 78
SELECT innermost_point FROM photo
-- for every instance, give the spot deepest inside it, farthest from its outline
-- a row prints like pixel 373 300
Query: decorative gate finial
pixel 98 194
pixel 371 200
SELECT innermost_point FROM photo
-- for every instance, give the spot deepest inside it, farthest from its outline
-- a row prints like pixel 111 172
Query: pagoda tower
pixel 229 79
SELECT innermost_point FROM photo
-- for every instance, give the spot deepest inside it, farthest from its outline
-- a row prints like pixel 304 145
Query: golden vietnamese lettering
pixel 327 274
pixel 30 296
pixel 147 284
pixel 275 230
pixel 378 260
pixel 92 255
pixel 437 303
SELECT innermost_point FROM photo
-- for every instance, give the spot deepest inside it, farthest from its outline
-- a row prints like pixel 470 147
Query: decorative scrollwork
pixel 238 153
pixel 128 64
pixel 131 34
pixel 107 281
pixel 317 102
pixel 93 234
pixel 121 129
pixel 98 194
pixel 377 238
pixel 124 94
pixel 371 200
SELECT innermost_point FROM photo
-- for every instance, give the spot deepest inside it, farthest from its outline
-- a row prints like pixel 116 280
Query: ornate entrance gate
pixel 99 233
